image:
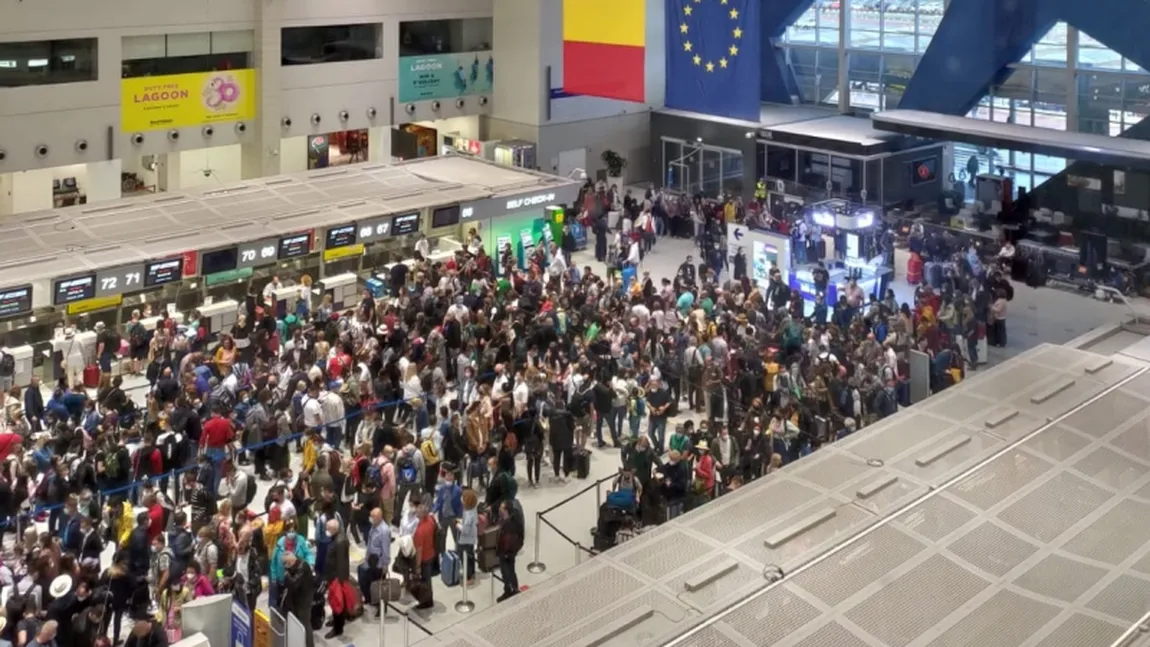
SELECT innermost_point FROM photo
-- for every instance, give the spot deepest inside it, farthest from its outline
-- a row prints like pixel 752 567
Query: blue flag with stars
pixel 713 50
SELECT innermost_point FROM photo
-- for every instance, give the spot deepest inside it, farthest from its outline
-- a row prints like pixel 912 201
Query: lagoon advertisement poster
pixel 445 76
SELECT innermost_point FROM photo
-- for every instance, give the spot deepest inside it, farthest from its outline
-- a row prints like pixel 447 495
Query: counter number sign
pixel 267 253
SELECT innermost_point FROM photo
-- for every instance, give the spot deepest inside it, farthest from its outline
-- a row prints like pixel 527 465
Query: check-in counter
pixel 219 317
pixel 22 355
pixel 285 298
pixel 343 288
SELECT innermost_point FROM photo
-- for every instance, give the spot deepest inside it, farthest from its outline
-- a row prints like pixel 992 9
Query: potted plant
pixel 615 165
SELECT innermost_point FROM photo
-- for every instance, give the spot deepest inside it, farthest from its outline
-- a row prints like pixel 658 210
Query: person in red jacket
pixel 10 444
pixel 218 433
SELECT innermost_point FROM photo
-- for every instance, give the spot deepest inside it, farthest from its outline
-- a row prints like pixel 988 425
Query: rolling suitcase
pixel 91 376
pixel 487 561
pixel 449 568
pixel 582 460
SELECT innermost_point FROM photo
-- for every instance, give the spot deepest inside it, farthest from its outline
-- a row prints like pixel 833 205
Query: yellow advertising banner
pixel 185 100
pixel 92 305
pixel 342 252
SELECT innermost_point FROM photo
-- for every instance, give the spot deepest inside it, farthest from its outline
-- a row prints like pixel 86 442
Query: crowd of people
pixel 398 423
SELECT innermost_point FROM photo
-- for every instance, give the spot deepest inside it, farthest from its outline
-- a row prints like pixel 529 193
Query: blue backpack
pixel 408 475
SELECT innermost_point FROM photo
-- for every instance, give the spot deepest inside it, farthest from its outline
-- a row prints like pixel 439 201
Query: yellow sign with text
pixel 185 100
pixel 342 252
pixel 92 305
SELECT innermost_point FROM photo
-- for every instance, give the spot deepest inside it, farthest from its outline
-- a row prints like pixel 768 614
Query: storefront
pixel 515 223
pixel 337 149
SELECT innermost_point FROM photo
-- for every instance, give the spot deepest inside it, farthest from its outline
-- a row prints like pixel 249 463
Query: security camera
pixel 81 145
pixel 286 122
pixel 409 108
pixel 241 127
pixel 209 131
pixel 207 172
pixel 343 116
pixel 138 139
pixel 435 105
pixel 749 135
pixel 173 135
pixel 42 150
pixel 482 101
pixel 459 103
pixel 315 119
pixel 371 113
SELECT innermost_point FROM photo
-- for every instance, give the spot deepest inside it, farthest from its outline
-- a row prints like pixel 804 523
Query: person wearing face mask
pixel 294 546
pixel 299 590
pixel 341 595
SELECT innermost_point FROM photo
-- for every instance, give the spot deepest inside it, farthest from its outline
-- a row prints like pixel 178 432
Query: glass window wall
pixel 694 168
pixel 47 62
pixel 331 43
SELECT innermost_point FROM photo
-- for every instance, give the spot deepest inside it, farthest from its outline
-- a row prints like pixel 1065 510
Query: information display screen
pixel 15 301
pixel 924 171
pixel 445 217
pixel 221 260
pixel 341 236
pixel 295 245
pixel 258 253
pixel 157 273
pixel 407 223
pixel 73 289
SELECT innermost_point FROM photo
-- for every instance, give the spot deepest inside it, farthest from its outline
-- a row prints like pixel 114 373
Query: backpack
pixel 170 450
pixel 7 368
pixel 112 464
pixel 375 474
pixel 250 494
pixel 430 455
pixel 407 473
pixel 579 404
pixel 137 336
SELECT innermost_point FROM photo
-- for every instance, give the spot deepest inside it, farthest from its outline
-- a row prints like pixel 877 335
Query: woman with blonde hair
pixel 226 356
pixel 468 526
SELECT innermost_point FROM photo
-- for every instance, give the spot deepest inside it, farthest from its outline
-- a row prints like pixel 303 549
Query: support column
pixel 168 171
pixel 1072 79
pixel 261 142
pixel 844 85
pixel 517 47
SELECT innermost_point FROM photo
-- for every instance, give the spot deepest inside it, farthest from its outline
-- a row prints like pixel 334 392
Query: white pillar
pixel 32 191
pixel 517 49
pixel 6 195
pixel 261 154
pixel 168 172
pixel 379 144
pixel 102 182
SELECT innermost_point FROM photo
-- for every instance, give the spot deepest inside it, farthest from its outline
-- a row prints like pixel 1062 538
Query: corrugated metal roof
pixel 54 243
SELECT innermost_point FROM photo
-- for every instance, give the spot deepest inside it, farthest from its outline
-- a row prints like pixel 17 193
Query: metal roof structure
pixel 1101 149
pixel 57 242
pixel 1009 511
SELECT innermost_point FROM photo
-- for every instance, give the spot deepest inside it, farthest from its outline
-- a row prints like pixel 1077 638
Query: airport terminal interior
pixel 176 175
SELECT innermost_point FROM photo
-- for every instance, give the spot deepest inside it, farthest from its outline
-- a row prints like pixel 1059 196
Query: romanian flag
pixel 604 48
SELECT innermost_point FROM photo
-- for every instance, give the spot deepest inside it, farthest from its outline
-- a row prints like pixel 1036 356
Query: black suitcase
pixel 319 607
pixel 582 460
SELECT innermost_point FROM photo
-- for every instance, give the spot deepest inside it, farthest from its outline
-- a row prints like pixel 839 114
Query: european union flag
pixel 713 50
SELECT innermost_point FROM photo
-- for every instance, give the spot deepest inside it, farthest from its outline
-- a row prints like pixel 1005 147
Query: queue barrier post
pixel 537 566
pixel 464 605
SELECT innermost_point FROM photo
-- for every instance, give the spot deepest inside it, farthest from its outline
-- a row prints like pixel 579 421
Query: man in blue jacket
pixel 448 505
